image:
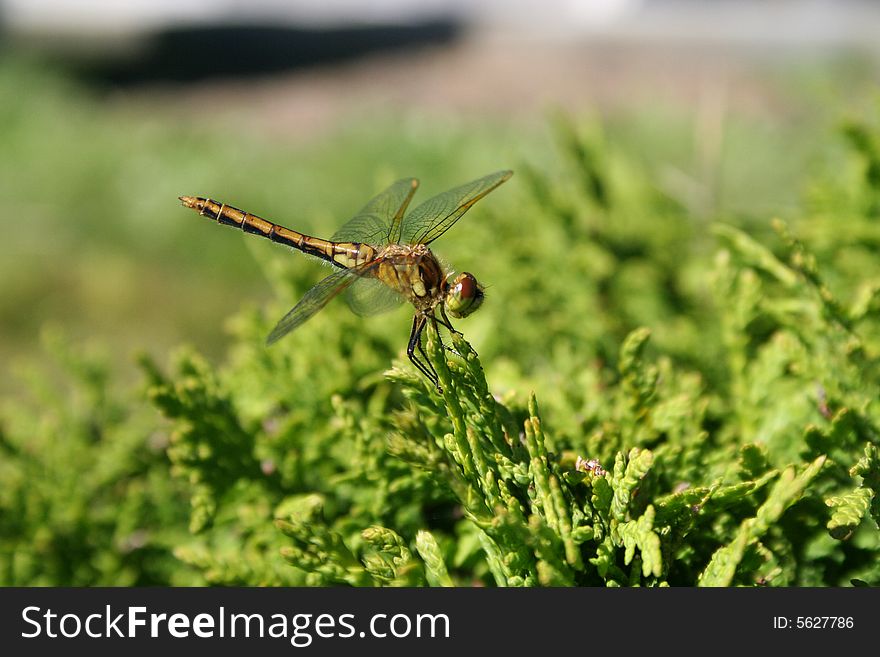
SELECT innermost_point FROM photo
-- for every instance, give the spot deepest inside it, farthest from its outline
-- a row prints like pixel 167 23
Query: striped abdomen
pixel 341 254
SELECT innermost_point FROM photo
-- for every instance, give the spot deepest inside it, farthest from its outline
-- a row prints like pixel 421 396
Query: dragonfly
pixel 382 258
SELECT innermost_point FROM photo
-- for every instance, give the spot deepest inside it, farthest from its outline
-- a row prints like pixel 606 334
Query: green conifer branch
pixel 788 487
pixel 388 559
pixel 318 550
pixel 435 567
pixel 868 468
pixel 209 447
pixel 849 509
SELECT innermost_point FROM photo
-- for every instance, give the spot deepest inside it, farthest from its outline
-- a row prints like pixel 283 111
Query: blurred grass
pixel 96 243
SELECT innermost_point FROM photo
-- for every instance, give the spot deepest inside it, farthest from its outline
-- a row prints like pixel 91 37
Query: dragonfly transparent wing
pixel 370 296
pixel 378 222
pixel 435 216
pixel 318 297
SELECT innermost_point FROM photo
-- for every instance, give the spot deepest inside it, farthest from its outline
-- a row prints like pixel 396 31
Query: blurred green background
pixel 626 150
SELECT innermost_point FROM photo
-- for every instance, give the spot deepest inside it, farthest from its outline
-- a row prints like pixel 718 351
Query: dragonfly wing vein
pixel 370 296
pixel 316 298
pixel 375 222
pixel 435 216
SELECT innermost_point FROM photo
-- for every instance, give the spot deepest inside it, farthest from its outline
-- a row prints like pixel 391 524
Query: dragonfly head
pixel 463 295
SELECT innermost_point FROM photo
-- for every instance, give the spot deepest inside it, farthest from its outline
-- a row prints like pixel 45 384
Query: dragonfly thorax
pixel 414 272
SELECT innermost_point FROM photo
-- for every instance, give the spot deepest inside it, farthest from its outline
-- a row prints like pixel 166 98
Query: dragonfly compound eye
pixel 464 296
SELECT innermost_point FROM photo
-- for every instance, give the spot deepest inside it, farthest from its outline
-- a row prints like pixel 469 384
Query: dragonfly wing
pixel 316 298
pixel 370 296
pixel 378 222
pixel 435 216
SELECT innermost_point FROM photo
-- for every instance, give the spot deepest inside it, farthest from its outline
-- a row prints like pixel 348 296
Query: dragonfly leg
pixel 433 377
pixel 415 342
pixel 445 321
pixel 437 321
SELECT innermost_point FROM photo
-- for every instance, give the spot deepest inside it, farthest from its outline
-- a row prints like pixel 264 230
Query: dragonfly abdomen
pixel 341 254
